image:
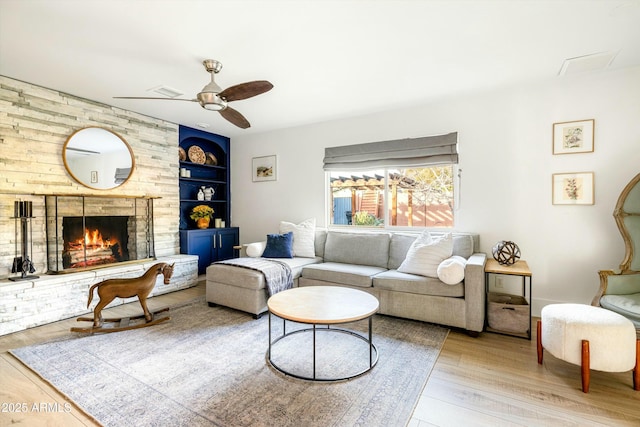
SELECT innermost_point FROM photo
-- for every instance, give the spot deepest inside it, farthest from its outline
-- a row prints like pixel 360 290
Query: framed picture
pixel 573 137
pixel 573 188
pixel 264 168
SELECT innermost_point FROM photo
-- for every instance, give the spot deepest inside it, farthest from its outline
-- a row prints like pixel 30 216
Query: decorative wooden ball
pixel 506 252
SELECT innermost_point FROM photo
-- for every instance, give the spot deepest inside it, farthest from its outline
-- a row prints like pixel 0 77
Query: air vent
pixel 167 91
pixel 593 62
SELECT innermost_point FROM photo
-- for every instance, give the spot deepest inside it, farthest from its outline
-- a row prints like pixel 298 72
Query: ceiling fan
pixel 213 98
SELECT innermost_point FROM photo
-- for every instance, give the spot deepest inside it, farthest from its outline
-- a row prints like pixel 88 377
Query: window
pixel 399 183
pixel 396 197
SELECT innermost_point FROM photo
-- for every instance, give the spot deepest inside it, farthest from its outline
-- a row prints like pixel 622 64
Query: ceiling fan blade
pixel 245 90
pixel 162 99
pixel 235 117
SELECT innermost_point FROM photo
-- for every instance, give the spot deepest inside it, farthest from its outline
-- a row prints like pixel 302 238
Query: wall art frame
pixel 573 188
pixel 573 137
pixel 264 168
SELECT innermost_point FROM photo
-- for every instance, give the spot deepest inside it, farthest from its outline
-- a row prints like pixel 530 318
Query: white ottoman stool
pixel 590 337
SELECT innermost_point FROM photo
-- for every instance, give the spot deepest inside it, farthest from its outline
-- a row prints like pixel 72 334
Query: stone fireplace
pixel 90 231
pixel 35 126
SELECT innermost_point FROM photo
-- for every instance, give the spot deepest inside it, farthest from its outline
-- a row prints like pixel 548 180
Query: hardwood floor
pixel 38 403
pixel 493 380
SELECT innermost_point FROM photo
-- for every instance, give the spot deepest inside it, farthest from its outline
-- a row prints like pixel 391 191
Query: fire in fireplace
pixel 95 241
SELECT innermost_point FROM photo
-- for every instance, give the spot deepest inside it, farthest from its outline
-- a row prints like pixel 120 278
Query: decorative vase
pixel 208 193
pixel 203 222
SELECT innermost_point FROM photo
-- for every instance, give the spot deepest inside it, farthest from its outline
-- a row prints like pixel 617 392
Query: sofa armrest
pixel 475 292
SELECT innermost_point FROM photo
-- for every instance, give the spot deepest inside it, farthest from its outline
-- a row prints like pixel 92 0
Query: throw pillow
pixel 425 255
pixel 451 270
pixel 303 237
pixel 279 246
pixel 255 250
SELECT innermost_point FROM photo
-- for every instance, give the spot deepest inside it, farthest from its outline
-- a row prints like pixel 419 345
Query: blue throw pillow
pixel 279 246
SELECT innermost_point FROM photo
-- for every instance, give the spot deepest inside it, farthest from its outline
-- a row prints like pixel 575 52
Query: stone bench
pixel 52 297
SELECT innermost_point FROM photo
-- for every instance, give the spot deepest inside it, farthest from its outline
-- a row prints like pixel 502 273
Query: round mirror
pixel 98 158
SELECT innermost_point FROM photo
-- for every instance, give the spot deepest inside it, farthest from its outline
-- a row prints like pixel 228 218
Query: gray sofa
pixel 368 261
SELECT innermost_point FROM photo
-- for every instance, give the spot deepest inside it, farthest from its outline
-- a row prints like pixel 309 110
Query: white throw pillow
pixel 255 250
pixel 303 237
pixel 451 270
pixel 425 255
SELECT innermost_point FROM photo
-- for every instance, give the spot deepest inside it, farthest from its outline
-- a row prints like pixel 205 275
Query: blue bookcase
pixel 210 244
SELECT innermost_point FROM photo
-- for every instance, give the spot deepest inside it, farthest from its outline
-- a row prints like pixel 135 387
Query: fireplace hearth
pixel 85 232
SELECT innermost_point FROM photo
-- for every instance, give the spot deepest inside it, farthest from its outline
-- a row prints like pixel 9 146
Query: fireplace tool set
pixel 23 213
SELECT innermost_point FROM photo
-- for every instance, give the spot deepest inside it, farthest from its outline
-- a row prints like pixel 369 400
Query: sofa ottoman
pixel 590 337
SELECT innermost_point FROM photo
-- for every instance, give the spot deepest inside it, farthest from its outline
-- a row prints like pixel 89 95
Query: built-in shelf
pixel 204 175
pixel 198 180
pixel 211 244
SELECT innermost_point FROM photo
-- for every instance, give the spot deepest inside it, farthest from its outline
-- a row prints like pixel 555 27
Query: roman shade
pixel 409 152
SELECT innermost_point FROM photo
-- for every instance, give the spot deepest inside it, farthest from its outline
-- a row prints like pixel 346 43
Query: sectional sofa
pixel 369 262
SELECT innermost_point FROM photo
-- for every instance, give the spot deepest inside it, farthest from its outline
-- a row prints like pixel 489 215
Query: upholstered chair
pixel 620 290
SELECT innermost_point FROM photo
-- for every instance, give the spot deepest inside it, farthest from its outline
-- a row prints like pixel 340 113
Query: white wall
pixel 506 161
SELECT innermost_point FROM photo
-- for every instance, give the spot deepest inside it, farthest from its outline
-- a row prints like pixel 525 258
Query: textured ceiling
pixel 326 59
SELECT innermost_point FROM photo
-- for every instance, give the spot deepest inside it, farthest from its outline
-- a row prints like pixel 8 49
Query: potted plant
pixel 201 214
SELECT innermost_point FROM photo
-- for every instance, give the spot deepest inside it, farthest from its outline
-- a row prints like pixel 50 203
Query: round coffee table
pixel 323 305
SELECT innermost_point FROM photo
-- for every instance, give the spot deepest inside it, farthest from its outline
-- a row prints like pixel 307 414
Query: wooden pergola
pixel 356 183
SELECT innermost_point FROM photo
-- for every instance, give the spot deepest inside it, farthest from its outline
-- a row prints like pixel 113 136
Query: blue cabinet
pixel 211 245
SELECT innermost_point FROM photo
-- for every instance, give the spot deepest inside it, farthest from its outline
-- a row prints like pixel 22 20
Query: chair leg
pixel 539 341
pixel 636 370
pixel 586 373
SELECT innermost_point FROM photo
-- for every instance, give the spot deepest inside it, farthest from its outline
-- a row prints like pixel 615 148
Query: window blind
pixel 409 152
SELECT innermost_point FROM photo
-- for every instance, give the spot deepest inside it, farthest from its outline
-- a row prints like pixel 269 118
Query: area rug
pixel 207 367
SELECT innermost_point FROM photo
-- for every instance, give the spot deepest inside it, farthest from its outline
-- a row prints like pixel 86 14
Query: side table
pixel 519 268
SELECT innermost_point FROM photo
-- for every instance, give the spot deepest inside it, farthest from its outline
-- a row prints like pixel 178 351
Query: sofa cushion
pixel 320 239
pixel 343 274
pixel 370 249
pixel 398 248
pixel 451 270
pixel 303 237
pixel 298 263
pixel 425 255
pixel 394 280
pixel 463 245
pixel 235 276
pixel 627 305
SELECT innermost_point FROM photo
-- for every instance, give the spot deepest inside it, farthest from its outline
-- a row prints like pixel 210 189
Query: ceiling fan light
pixel 211 101
pixel 213 107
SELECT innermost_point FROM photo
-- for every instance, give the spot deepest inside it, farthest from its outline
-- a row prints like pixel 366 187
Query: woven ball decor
pixel 505 252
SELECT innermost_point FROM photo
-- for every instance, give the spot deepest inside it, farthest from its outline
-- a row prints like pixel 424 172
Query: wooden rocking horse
pixel 141 287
